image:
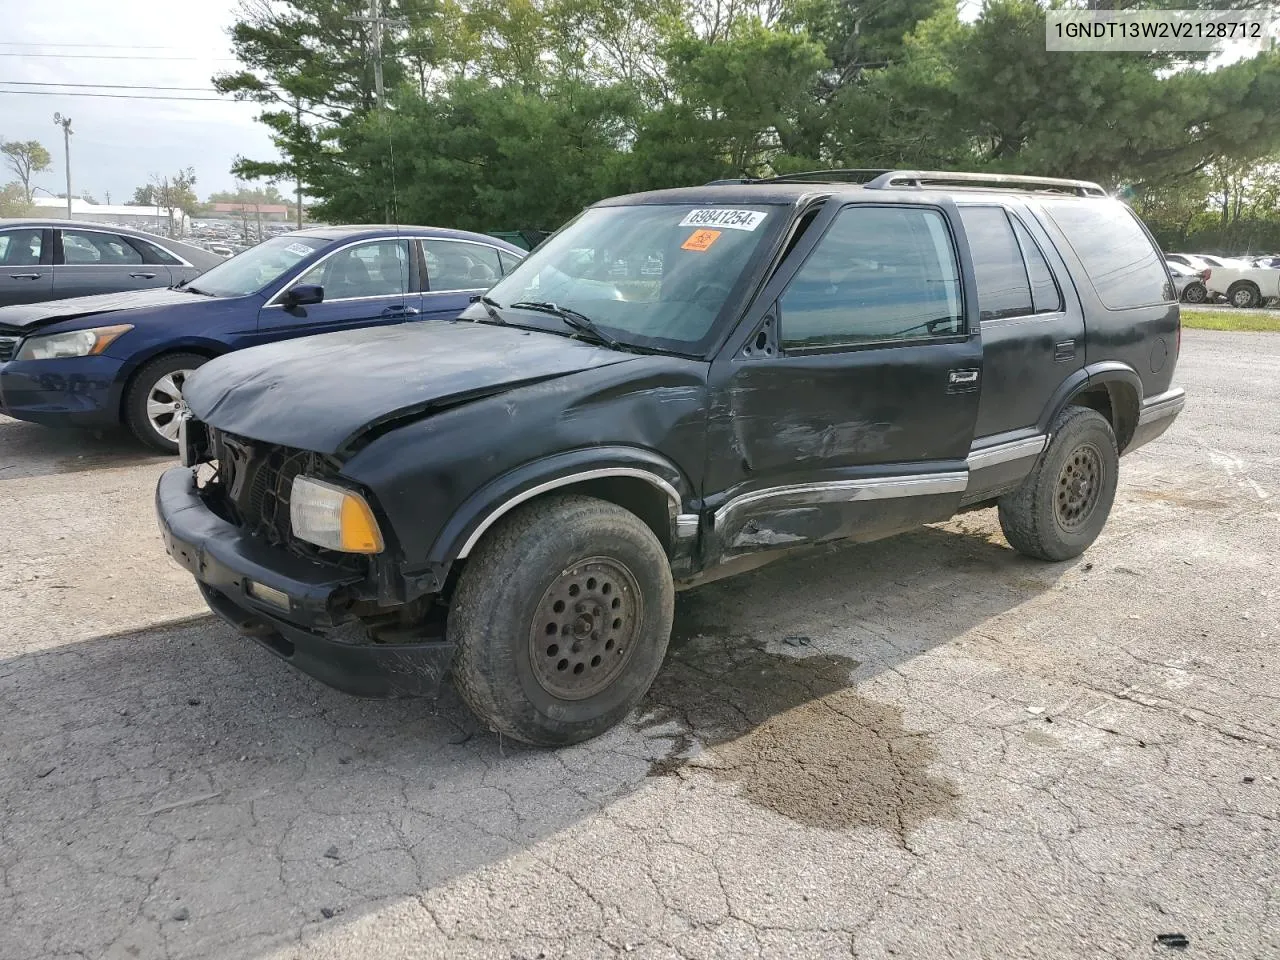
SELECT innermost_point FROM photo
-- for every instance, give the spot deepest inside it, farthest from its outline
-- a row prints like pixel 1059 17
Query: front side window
pixel 256 268
pixel 91 247
pixel 452 265
pixel 1124 266
pixel 879 274
pixel 379 268
pixel 652 275
pixel 21 248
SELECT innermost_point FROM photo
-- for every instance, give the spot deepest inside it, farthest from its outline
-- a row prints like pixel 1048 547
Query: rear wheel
pixel 154 404
pixel 1244 295
pixel 1063 504
pixel 1195 292
pixel 561 620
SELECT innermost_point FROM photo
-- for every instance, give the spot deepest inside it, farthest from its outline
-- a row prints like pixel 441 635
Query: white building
pixel 151 219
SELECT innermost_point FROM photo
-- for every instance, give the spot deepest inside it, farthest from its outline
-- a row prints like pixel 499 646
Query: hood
pixel 323 393
pixel 33 315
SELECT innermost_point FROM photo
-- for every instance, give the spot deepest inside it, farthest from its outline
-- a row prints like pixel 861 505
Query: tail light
pixel 1204 274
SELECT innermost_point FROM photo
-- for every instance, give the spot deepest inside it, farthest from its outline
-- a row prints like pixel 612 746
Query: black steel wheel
pixel 1063 504
pixel 561 619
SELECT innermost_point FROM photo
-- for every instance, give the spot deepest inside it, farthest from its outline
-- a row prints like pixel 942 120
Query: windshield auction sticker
pixel 701 240
pixel 301 249
pixel 728 219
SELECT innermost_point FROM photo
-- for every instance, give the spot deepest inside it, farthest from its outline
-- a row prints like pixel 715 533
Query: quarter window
pixel 156 254
pixel 1003 289
pixel 91 247
pixel 1124 266
pixel 1045 295
pixel 879 274
pixel 379 268
pixel 21 248
pixel 460 266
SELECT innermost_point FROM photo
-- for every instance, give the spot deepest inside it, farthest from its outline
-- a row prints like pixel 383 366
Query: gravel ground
pixel 926 747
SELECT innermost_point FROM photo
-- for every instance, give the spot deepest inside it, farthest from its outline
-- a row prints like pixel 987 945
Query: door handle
pixel 143 276
pixel 962 381
pixel 24 276
pixel 399 310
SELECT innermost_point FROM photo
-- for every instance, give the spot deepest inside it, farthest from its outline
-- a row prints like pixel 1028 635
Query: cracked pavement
pixel 924 747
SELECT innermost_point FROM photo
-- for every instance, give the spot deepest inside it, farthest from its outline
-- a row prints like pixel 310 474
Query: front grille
pixel 252 486
pixel 8 347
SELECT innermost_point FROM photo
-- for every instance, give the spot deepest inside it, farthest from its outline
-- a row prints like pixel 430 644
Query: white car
pixel 1243 284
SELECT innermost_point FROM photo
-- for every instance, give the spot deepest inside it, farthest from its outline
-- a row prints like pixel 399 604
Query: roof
pixel 395 230
pixel 252 207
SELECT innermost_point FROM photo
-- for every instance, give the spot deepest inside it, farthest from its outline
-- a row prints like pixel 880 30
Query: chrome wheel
pixel 1242 297
pixel 584 631
pixel 1195 293
pixel 1079 485
pixel 165 405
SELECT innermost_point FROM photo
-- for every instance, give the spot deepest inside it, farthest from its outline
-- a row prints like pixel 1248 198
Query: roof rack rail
pixel 841 175
pixel 1007 181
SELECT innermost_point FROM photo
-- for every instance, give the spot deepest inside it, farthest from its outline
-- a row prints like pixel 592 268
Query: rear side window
pixel 89 247
pixel 1003 289
pixel 1045 295
pixel 878 275
pixel 1125 268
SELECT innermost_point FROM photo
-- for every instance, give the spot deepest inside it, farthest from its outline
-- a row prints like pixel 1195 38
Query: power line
pixel 106 86
pixel 113 96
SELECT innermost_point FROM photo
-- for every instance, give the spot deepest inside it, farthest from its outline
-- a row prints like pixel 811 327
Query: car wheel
pixel 1195 293
pixel 561 620
pixel 154 404
pixel 1064 502
pixel 1244 295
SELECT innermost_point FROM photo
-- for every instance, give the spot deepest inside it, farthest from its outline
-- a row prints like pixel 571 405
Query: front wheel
pixel 1064 502
pixel 561 620
pixel 154 406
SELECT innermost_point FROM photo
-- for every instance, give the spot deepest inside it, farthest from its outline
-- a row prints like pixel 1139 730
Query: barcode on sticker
pixel 301 249
pixel 727 219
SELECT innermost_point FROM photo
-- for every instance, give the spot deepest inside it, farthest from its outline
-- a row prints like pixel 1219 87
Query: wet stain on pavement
pixel 1178 499
pixel 793 734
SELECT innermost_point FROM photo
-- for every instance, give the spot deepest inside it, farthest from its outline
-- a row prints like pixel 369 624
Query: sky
pixel 118 143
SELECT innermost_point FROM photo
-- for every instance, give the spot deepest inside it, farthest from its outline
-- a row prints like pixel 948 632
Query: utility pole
pixel 297 170
pixel 65 124
pixel 257 207
pixel 376 22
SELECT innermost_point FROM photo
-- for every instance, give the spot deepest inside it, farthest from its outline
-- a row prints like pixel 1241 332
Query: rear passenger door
pixel 1032 326
pixel 456 271
pixel 26 265
pixel 850 407
pixel 88 262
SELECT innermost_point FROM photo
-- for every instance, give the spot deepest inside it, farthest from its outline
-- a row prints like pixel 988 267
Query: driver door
pixel 365 284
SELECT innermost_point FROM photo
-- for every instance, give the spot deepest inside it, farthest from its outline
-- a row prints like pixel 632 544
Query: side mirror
pixel 304 294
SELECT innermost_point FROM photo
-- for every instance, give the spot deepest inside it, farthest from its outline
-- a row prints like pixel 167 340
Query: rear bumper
pixel 1157 416
pixel 231 568
pixel 74 391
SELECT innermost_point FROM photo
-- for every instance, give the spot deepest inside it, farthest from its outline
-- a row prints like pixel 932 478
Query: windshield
pixel 647 274
pixel 257 267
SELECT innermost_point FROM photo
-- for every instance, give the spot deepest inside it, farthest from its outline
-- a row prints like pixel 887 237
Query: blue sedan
pixel 122 358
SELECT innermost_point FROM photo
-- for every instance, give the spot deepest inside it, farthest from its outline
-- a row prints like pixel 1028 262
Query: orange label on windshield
pixel 701 240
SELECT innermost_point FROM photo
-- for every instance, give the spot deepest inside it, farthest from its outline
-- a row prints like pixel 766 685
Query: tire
pixel 1064 502
pixel 1195 293
pixel 1243 295
pixel 154 382
pixel 537 665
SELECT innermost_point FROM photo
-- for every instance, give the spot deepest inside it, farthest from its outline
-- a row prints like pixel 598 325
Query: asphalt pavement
pixel 924 747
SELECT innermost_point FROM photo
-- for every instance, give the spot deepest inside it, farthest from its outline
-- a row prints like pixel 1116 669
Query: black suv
pixel 676 386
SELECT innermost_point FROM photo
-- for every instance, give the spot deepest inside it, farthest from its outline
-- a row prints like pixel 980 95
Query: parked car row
pixel 123 357
pixel 1240 281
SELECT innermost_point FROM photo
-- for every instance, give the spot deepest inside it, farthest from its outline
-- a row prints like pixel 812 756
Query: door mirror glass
pixel 303 294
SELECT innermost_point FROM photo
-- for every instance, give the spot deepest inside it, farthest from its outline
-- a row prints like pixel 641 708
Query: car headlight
pixel 333 517
pixel 77 343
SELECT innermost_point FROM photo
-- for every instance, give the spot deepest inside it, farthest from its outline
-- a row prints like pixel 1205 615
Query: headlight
pixel 77 343
pixel 332 517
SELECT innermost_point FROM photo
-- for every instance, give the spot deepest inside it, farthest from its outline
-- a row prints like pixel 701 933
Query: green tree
pixel 249 195
pixel 25 158
pixel 144 196
pixel 175 194
pixel 13 201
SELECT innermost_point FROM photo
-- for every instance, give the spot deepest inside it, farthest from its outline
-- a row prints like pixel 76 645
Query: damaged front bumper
pixel 287 603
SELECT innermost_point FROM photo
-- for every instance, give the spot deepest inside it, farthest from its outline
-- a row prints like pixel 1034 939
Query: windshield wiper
pixel 181 283
pixel 490 307
pixel 191 289
pixel 579 321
